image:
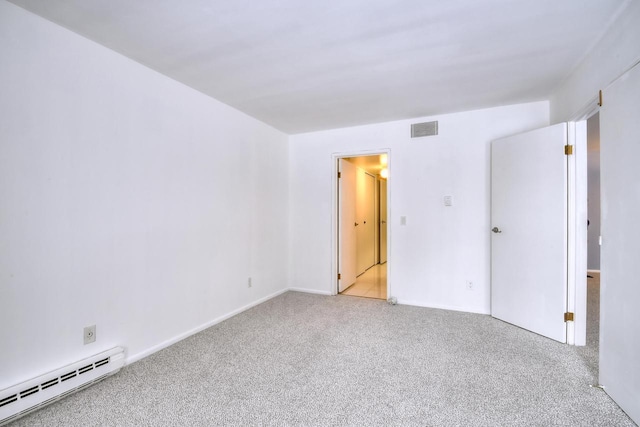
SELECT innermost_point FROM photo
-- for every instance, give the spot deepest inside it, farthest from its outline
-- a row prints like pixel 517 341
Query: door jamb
pixel 576 234
pixel 335 242
pixel 577 224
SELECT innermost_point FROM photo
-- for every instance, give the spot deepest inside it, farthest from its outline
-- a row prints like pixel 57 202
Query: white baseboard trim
pixel 442 307
pixel 310 291
pixel 171 341
pixel 593 271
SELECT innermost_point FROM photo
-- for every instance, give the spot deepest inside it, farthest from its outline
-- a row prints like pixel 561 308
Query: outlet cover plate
pixel 89 334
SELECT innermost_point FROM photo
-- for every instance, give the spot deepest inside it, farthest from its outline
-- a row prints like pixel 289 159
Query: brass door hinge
pixel 568 317
pixel 568 150
pixel 339 174
pixel 600 99
pixel 338 276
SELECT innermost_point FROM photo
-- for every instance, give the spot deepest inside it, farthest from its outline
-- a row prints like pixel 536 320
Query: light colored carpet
pixel 302 359
pixel 589 353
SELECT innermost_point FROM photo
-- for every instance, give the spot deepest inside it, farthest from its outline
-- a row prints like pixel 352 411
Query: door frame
pixel 577 223
pixel 335 241
pixel 577 214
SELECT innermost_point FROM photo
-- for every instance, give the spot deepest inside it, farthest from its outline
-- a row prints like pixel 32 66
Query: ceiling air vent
pixel 424 129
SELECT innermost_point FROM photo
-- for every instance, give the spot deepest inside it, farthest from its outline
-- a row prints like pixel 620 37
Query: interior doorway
pixel 362 225
pixel 593 233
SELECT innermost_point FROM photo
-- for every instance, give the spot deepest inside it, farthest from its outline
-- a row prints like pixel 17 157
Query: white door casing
pixel 346 227
pixel 529 230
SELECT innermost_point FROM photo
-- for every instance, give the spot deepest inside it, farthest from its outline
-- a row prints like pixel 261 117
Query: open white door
pixel 346 224
pixel 620 285
pixel 529 230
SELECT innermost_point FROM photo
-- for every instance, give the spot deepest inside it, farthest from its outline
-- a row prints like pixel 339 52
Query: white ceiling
pixel 309 65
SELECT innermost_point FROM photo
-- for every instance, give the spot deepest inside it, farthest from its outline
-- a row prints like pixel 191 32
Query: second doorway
pixel 362 213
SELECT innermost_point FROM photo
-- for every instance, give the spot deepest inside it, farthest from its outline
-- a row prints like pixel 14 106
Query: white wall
pixel 616 52
pixel 440 248
pixel 127 200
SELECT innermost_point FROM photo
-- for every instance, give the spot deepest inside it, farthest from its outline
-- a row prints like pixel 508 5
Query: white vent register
pixel 424 129
pixel 37 392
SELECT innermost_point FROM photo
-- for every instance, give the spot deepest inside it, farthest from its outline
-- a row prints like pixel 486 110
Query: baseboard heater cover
pixel 20 399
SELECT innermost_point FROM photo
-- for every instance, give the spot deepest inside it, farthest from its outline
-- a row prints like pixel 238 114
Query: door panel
pixel 620 285
pixel 346 227
pixel 383 221
pixel 365 218
pixel 529 237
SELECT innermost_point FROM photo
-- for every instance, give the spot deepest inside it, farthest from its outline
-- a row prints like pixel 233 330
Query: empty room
pixel 176 244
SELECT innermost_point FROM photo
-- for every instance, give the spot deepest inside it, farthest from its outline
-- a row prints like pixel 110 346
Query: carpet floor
pixel 308 360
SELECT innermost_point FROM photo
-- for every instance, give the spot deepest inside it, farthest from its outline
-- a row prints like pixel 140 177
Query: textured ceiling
pixel 308 65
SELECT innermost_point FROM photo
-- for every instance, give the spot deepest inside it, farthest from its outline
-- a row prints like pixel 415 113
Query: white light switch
pixel 403 220
pixel 448 200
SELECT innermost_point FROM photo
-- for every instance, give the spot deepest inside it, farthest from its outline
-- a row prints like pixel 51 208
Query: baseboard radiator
pixel 19 400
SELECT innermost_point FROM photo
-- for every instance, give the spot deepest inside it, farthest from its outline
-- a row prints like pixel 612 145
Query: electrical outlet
pixel 89 334
pixel 249 282
pixel 469 285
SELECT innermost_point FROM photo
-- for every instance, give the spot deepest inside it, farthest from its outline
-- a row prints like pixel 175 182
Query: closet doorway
pixel 362 226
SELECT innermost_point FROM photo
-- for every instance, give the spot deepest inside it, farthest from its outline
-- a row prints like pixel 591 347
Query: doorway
pixel 362 225
pixel 593 234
